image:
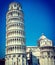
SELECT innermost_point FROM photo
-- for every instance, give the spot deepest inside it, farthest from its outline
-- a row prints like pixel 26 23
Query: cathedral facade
pixel 17 53
pixel 43 54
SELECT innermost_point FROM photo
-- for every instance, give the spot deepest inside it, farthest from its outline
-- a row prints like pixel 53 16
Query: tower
pixel 15 36
pixel 46 51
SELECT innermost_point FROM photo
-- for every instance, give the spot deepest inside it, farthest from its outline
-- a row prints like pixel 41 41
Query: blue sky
pixel 39 17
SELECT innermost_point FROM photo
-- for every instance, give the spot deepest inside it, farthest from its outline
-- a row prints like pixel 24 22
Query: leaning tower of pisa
pixel 15 36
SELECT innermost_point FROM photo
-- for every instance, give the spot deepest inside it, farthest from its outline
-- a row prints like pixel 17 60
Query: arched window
pixel 17 32
pixel 11 48
pixel 19 55
pixel 48 53
pixel 17 24
pixel 19 39
pixel 18 12
pixel 14 55
pixel 15 39
pixel 11 7
pixel 54 57
pixel 15 47
pixel 18 9
pixel 14 5
pixel 23 56
pixel 14 63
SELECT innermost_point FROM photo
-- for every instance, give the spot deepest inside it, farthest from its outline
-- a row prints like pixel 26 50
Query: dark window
pixel 48 53
pixel 14 55
pixel 11 13
pixel 14 63
pixel 23 55
pixel 17 24
pixel 19 32
pixel 18 55
pixel 54 57
pixel 15 5
pixel 18 14
pixel 11 48
pixel 17 8
pixel 15 47
pixel 19 39
pixel 15 39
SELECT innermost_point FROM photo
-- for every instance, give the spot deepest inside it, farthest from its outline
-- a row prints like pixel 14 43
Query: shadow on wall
pixel 30 60
pixel 33 60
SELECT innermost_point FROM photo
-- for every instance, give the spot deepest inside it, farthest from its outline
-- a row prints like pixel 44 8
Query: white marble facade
pixel 44 53
pixel 15 36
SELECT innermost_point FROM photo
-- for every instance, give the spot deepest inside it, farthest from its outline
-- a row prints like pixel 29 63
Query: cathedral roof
pixel 42 37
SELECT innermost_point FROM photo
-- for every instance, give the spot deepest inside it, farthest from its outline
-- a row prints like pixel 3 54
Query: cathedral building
pixel 17 53
pixel 43 54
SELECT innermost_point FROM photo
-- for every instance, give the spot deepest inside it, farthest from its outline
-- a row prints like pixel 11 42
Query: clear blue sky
pixel 39 17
